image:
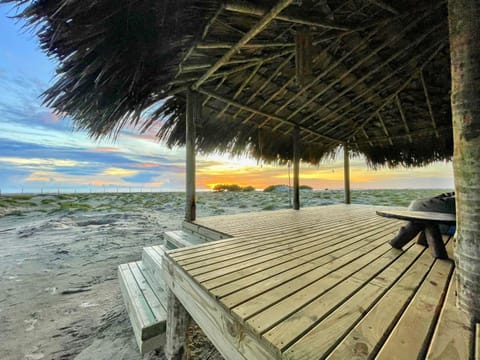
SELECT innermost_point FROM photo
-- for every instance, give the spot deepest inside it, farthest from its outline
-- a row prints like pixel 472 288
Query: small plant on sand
pixel 232 187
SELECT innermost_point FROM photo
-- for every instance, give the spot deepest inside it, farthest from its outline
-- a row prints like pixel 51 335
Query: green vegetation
pixel 272 188
pixel 275 188
pixel 232 187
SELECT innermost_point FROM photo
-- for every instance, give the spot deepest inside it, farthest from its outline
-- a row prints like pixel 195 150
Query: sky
pixel 40 152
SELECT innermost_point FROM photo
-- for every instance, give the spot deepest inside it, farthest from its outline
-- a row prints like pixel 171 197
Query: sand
pixel 60 297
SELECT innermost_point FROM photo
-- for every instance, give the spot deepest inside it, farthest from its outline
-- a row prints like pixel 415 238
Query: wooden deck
pixel 319 283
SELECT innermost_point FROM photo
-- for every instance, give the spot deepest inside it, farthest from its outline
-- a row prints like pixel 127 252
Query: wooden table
pixel 424 222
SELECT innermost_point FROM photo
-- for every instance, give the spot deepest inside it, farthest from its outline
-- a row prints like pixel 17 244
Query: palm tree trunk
pixel 464 23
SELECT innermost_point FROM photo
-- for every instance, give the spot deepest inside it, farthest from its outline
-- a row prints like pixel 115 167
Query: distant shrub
pixel 248 188
pixel 279 188
pixel 232 187
pixel 274 188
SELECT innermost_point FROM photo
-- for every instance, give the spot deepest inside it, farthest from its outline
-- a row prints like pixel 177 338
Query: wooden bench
pixel 424 222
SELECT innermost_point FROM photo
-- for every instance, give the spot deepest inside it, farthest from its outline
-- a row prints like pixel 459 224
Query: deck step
pixel 152 262
pixel 179 238
pixel 147 310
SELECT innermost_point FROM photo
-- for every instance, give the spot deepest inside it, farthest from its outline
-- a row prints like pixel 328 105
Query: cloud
pixel 119 172
pixel 38 162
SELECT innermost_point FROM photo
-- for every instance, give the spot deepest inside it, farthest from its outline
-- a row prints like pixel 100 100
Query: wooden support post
pixel 303 54
pixel 464 22
pixel 178 320
pixel 346 176
pixel 296 169
pixel 192 115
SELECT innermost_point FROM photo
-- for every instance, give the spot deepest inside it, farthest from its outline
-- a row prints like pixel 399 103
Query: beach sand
pixel 60 297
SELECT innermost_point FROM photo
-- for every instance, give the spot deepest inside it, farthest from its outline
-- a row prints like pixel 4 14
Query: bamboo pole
pixel 249 8
pixel 346 172
pixel 192 114
pixel 296 168
pixel 264 21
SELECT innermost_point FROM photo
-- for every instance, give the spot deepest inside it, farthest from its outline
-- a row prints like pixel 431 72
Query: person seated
pixel 443 203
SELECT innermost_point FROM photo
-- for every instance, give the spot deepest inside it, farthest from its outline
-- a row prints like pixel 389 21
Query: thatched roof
pixel 379 78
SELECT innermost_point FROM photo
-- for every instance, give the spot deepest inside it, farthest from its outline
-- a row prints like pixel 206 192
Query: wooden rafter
pixel 249 8
pixel 418 133
pixel 383 5
pixel 267 82
pixel 362 61
pixel 325 72
pixel 240 89
pixel 385 130
pixel 367 100
pixel 429 104
pixel 400 89
pixel 404 118
pixel 262 113
pixel 256 45
pixel 264 21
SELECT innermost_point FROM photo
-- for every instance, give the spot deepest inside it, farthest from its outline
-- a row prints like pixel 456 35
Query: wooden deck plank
pixel 261 248
pixel 274 314
pixel 289 281
pixel 338 282
pixel 154 303
pixel 453 336
pixel 296 285
pixel 312 250
pixel 322 334
pixel 223 330
pixel 290 221
pixel 240 278
pixel 366 338
pixel 143 313
pixel 411 335
pixel 191 255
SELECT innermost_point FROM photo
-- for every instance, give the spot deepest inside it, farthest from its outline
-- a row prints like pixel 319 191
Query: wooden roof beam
pixel 254 31
pixel 418 133
pixel 249 8
pixel 373 53
pixel 384 6
pixel 402 115
pixel 400 89
pixel 379 82
pixel 262 113
pixel 385 130
pixel 256 45
pixel 240 89
pixel 429 104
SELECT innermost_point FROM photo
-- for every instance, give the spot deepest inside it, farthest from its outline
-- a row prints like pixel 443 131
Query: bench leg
pixel 435 241
pixel 405 234
pixel 178 321
pixel 422 240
